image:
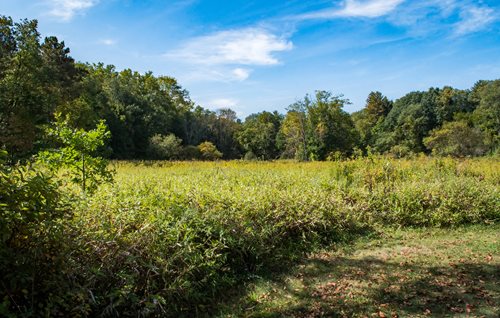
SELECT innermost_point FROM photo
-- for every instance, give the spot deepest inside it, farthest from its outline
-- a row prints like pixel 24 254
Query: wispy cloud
pixel 474 19
pixel 241 74
pixel 108 42
pixel 418 17
pixel 355 8
pixel 250 46
pixel 455 17
pixel 67 9
pixel 225 55
pixel 222 103
pixel 193 73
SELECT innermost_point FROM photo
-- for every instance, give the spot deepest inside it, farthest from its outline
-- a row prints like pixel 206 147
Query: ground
pixel 394 273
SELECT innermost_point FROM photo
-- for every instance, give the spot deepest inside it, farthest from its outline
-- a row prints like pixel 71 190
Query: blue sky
pixel 264 55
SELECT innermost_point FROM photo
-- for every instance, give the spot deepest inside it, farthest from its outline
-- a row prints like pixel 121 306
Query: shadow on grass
pixel 342 286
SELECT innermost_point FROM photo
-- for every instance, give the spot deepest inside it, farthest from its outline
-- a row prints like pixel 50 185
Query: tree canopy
pixel 153 117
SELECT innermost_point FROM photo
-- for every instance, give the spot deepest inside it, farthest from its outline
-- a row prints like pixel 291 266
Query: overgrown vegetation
pixel 33 243
pixel 167 238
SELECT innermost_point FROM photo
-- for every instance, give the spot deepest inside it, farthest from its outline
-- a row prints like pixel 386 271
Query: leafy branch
pixel 78 153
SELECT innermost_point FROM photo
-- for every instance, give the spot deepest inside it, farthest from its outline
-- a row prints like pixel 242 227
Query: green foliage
pixel 208 151
pixel 32 241
pixel 316 128
pixel 169 239
pixel 456 139
pixel 487 114
pixel 293 134
pixel 369 120
pixel 377 106
pixel 191 153
pixel 330 129
pixel 258 135
pixel 165 147
pixel 249 156
pixel 36 77
pixel 78 154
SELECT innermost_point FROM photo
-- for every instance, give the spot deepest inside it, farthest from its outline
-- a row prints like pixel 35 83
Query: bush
pixel 456 139
pixel 78 154
pixel 32 242
pixel 400 151
pixel 209 151
pixel 250 156
pixel 165 147
pixel 191 152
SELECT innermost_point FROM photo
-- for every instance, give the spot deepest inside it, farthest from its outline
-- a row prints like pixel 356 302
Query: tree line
pixel 153 117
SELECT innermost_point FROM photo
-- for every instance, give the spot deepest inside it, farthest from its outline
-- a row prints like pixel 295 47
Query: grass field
pixel 169 238
pixel 396 273
pixel 372 236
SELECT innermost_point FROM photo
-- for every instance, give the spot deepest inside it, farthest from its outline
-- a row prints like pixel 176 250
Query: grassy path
pixel 399 273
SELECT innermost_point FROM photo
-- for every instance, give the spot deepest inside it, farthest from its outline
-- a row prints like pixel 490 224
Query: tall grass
pixel 167 239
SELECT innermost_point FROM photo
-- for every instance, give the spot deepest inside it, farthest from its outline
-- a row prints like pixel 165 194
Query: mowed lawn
pixel 395 273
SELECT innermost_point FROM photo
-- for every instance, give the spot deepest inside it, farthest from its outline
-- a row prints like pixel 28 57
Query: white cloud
pixel 370 9
pixel 419 17
pixel 194 73
pixel 67 9
pixel 225 56
pixel 356 8
pixel 434 16
pixel 250 46
pixel 474 19
pixel 222 103
pixel 108 42
pixel 241 74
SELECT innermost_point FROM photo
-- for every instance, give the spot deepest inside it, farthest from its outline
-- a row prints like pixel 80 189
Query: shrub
pixel 191 152
pixel 250 156
pixel 78 154
pixel 209 151
pixel 456 139
pixel 32 242
pixel 165 147
pixel 400 151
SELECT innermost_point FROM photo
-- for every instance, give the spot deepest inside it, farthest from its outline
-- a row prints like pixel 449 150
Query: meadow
pixel 184 238
pixel 171 236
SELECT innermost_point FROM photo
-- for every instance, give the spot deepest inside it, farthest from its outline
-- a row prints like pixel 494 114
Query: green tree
pixel 35 79
pixel 487 115
pixel 292 134
pixel 369 120
pixel 316 128
pixel 456 139
pixel 224 129
pixel 78 154
pixel 409 121
pixel 258 134
pixel 22 95
pixel 450 102
pixel 330 128
pixel 377 106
